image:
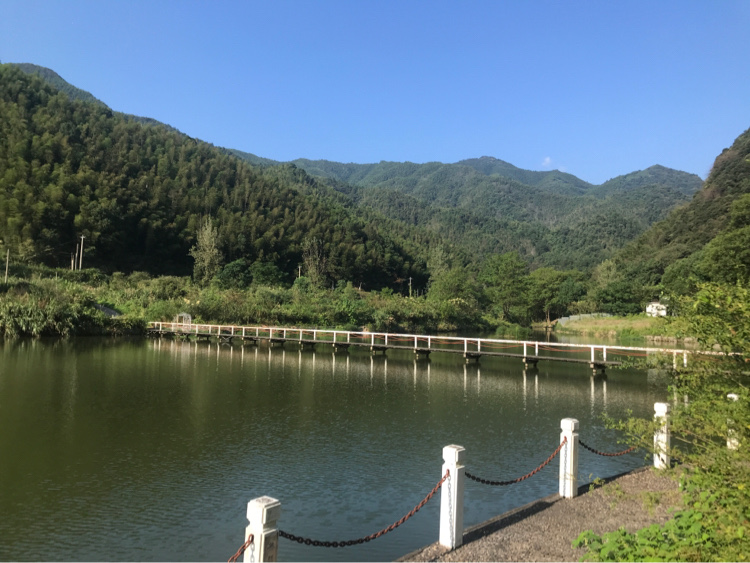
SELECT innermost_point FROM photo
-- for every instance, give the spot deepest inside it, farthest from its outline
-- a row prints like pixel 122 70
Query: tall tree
pixel 545 286
pixel 315 259
pixel 206 253
pixel 506 278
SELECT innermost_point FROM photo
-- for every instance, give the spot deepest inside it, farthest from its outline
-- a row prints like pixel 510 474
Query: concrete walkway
pixel 543 530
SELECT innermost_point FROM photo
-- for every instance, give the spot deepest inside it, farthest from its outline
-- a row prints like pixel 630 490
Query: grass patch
pixel 628 327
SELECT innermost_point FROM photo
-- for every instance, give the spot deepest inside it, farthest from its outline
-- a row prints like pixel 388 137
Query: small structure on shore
pixel 183 318
pixel 656 309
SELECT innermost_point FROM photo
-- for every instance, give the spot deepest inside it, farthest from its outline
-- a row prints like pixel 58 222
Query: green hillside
pixel 139 193
pixel 58 82
pixel 707 239
pixel 553 180
pixel 483 207
pixel 476 207
pixel 655 175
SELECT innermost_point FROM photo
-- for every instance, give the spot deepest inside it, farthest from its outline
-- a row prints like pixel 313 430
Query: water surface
pixel 149 450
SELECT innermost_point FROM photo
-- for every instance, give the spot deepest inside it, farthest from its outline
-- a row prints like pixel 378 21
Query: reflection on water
pixel 150 450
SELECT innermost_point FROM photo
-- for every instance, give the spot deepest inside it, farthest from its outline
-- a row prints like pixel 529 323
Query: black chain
pixel 514 481
pixel 347 543
pixel 597 452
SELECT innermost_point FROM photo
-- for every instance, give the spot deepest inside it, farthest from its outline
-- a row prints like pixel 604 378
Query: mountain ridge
pixel 481 206
pixel 553 180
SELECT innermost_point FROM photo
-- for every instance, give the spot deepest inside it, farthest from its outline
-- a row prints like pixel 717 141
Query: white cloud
pixel 547 162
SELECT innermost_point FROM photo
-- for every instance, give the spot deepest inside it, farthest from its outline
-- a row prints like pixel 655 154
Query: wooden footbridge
pixel 598 357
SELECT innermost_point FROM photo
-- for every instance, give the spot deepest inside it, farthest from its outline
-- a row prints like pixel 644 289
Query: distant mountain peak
pixel 54 79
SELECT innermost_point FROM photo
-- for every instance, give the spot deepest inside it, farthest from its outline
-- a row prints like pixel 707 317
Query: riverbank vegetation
pixel 711 415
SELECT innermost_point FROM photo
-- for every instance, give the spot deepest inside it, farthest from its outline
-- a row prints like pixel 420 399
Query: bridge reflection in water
pixel 472 349
pixel 179 435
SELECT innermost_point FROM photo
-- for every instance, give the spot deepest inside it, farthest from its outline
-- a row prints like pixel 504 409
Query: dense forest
pixel 706 240
pixel 484 242
pixel 139 193
pixel 555 219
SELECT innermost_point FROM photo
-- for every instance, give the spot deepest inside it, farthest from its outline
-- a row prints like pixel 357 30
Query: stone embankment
pixel 545 529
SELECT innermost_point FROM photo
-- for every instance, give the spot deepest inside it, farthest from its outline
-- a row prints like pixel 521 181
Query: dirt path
pixel 544 530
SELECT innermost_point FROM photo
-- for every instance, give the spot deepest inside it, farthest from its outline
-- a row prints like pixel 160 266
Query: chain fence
pixel 365 539
pixel 522 478
pixel 615 454
pixel 249 542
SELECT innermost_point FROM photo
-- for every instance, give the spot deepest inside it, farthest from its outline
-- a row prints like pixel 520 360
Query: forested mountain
pixel 707 239
pixel 482 206
pixel 58 82
pixel 655 175
pixel 552 180
pixel 74 93
pixel 139 194
pixel 468 210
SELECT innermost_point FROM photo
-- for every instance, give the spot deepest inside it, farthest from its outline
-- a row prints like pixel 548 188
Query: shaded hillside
pixel 138 193
pixel 560 221
pixel 482 206
pixel 687 231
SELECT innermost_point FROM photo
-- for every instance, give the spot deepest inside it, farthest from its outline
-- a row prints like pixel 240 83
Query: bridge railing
pixel 526 348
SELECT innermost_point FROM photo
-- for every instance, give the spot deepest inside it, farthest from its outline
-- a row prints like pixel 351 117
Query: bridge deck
pixel 368 340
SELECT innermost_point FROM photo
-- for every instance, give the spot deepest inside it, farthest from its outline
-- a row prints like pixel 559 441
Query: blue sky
pixel 596 89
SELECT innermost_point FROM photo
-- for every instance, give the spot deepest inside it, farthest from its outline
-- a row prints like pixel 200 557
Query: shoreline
pixel 544 529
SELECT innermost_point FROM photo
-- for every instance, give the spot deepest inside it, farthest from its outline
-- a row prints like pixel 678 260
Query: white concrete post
pixel 536 348
pixel 415 342
pixel 604 353
pixel 524 349
pixel 569 458
pixel 452 497
pixel 262 514
pixel 466 345
pixel 592 353
pixel 661 436
pixel 732 442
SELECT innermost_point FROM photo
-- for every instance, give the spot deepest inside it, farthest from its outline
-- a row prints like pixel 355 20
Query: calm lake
pixel 149 450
